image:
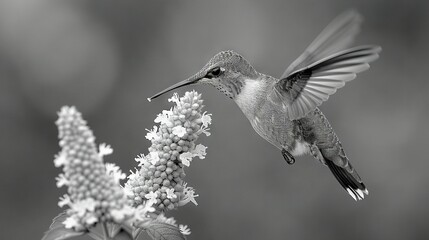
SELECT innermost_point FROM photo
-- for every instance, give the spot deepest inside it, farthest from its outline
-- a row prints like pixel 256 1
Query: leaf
pixel 128 227
pixel 118 231
pixel 113 229
pixel 96 232
pixel 95 236
pixel 57 230
pixel 123 235
pixel 164 231
pixel 136 232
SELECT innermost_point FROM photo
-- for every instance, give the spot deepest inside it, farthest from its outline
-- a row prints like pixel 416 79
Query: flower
pixel 115 172
pixel 140 159
pixel 94 193
pixel 179 131
pixel 64 200
pixel 153 158
pixel 159 179
pixel 175 99
pixel 60 160
pixel 200 151
pixel 62 180
pixel 104 150
pixel 189 196
pixel 205 131
pixel 206 119
pixel 170 193
pixel 152 133
pixel 184 229
pixel 164 118
pixel 186 158
pixel 151 197
pixel 147 207
pixel 71 222
pixel 81 207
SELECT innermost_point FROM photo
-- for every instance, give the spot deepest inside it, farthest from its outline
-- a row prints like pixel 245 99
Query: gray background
pixel 107 57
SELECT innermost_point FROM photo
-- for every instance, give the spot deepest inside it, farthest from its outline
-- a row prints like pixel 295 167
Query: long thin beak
pixel 188 81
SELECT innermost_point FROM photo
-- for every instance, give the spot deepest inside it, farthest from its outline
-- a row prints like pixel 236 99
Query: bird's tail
pixel 350 182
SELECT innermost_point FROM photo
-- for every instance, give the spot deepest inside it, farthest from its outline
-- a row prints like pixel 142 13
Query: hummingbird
pixel 284 111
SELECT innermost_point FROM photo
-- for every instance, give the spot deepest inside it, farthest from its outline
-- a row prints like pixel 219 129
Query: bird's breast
pixel 272 125
pixel 267 119
pixel 250 97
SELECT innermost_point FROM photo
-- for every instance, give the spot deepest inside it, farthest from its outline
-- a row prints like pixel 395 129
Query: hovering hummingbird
pixel 285 111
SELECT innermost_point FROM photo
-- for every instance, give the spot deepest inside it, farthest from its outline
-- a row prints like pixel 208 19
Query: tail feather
pixel 353 185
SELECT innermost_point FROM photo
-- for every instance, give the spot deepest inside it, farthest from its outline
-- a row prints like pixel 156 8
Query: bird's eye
pixel 215 72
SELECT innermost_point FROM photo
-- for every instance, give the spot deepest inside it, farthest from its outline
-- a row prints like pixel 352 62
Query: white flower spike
pixel 161 173
pixel 94 192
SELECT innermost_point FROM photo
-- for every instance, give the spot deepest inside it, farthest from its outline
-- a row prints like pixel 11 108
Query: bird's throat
pixel 249 95
pixel 231 88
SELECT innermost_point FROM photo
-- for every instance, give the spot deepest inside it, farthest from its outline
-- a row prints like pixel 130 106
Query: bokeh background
pixel 107 57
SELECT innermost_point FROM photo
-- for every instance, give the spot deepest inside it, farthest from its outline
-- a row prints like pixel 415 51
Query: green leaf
pixel 164 231
pixel 57 230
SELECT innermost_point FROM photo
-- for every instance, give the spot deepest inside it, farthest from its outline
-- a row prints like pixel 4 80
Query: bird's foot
pixel 288 157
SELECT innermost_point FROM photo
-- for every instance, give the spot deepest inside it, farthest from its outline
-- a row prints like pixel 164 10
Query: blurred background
pixel 107 57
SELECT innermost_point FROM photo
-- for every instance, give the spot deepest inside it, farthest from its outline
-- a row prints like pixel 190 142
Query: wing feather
pixel 308 88
pixel 345 68
pixel 333 76
pixel 338 35
pixel 319 96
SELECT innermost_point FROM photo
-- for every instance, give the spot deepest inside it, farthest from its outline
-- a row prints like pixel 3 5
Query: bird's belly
pixel 271 123
pixel 300 148
pixel 284 137
pixel 276 130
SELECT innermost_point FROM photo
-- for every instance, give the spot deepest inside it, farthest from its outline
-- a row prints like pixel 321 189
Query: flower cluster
pixel 94 193
pixel 160 177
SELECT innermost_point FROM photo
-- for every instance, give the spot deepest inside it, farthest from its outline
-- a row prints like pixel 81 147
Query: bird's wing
pixel 323 68
pixel 304 90
pixel 338 35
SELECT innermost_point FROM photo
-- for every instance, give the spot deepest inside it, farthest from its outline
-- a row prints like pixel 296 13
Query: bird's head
pixel 227 71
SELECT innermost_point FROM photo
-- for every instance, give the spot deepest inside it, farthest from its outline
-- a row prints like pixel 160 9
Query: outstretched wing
pixel 323 68
pixel 338 35
pixel 304 90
